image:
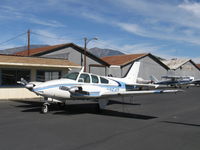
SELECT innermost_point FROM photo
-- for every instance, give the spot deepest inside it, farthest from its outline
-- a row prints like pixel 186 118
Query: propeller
pixel 26 84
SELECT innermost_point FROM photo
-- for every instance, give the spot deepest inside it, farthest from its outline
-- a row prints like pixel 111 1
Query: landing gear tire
pixel 44 109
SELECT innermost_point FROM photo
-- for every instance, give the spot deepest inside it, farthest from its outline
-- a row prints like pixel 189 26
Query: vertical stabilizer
pixel 133 72
pixel 153 79
pixel 82 70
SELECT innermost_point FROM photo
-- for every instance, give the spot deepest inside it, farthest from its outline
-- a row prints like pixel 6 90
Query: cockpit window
pixel 103 80
pixel 94 79
pixel 84 78
pixel 72 76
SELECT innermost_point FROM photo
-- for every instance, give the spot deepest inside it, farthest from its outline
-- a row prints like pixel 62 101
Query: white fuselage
pixel 53 89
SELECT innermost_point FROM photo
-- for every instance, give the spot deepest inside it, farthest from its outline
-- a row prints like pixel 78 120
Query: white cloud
pixel 192 8
pixel 126 48
pixel 140 48
pixel 196 60
pixel 7 46
pixel 94 17
pixel 132 28
pixel 160 20
pixel 11 13
pixel 50 23
pixel 50 38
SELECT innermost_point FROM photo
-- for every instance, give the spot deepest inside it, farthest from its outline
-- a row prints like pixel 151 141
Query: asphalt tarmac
pixel 150 122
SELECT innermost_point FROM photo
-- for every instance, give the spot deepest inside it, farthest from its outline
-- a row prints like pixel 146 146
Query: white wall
pixel 16 93
pixel 150 67
pixel 115 71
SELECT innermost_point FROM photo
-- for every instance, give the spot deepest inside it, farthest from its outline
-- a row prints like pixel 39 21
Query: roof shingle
pixel 198 65
pixel 34 51
pixel 122 59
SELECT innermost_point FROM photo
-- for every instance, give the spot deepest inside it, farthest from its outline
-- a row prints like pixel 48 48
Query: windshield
pixel 72 76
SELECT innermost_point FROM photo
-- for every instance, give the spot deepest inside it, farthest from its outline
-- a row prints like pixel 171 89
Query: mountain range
pixel 104 52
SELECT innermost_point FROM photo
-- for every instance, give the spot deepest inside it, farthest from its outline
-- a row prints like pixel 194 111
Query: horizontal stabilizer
pixel 152 78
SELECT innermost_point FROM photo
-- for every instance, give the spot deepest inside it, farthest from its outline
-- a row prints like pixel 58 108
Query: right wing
pixel 142 92
pixel 79 92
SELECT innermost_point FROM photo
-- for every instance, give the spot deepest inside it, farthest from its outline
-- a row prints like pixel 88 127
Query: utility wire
pixel 12 38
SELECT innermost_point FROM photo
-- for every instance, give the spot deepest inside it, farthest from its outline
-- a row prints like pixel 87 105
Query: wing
pixel 172 77
pixel 142 92
pixel 142 86
pixel 78 92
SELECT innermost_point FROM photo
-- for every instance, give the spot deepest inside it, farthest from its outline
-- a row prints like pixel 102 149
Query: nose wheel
pixel 45 108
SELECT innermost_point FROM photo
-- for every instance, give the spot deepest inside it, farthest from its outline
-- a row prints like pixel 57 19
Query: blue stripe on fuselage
pixel 108 87
pixel 53 86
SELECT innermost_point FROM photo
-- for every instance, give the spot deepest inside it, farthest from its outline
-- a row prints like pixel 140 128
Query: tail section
pixel 152 78
pixel 133 72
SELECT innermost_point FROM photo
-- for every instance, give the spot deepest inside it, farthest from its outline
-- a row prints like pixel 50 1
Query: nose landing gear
pixel 45 108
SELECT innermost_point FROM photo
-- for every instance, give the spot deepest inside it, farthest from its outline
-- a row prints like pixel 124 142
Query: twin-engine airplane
pixel 85 86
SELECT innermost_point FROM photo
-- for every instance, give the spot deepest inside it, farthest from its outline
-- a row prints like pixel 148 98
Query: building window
pixel 11 76
pixel 47 75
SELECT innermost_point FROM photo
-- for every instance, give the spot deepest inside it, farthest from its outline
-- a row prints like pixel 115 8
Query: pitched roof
pixel 198 65
pixel 122 60
pixel 175 63
pixel 35 51
pixel 36 62
pixel 48 49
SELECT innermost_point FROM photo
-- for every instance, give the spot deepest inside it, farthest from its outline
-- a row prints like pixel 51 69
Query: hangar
pixel 13 68
pixel 150 65
pixel 182 67
pixel 71 52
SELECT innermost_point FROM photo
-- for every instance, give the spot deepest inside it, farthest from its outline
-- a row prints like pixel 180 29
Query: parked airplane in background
pixel 143 81
pixel 85 86
pixel 196 82
pixel 173 81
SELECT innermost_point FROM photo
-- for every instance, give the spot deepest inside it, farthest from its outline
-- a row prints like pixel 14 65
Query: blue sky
pixel 167 28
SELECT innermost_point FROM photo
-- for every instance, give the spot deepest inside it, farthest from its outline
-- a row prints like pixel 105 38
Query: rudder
pixel 133 72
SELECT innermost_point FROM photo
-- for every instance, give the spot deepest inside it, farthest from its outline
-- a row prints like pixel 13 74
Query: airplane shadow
pixel 93 109
pixel 181 123
pixel 31 106
pixel 74 109
pixel 125 115
pixel 111 102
